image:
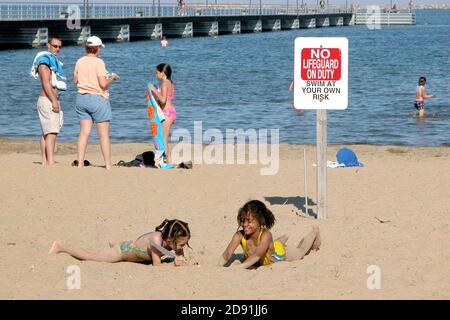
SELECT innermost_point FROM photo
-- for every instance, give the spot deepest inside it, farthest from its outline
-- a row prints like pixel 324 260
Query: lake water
pixel 241 82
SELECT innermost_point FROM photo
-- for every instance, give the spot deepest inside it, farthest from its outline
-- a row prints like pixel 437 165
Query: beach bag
pixel 147 158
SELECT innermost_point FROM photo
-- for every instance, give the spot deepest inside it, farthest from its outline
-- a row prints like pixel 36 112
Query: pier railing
pixel 35 11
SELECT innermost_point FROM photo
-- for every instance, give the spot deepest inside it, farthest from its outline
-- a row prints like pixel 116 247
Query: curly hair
pixel 264 216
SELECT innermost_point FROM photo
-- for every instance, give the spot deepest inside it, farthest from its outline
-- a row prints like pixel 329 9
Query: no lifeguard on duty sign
pixel 321 73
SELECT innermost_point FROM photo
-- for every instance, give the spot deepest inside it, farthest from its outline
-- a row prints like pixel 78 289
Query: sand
pixel 392 214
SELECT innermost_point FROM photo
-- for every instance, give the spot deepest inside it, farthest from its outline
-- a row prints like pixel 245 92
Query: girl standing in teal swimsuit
pixel 170 235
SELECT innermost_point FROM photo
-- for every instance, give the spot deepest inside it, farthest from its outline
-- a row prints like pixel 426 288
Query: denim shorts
pixel 93 106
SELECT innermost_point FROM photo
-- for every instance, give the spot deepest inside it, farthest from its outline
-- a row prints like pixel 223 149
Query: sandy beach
pixel 392 213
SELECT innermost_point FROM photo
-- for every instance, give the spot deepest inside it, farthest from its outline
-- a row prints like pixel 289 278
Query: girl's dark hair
pixel 259 210
pixel 164 67
pixel 174 229
pixel 422 80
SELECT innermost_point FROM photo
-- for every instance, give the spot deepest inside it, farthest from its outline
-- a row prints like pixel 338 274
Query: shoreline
pixel 64 147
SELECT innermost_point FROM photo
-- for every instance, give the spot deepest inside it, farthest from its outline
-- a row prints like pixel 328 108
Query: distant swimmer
pixel 421 96
pixel 164 42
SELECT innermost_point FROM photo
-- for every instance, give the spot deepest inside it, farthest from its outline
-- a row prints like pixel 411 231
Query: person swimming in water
pixel 164 42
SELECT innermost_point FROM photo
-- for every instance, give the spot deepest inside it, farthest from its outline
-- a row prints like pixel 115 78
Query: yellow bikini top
pixel 264 261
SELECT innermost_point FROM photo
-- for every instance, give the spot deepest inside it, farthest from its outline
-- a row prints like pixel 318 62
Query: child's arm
pixel 248 263
pixel 156 256
pixel 180 260
pixel 156 260
pixel 261 251
pixel 234 243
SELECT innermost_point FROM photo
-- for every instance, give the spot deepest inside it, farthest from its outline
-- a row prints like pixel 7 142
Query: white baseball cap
pixel 94 41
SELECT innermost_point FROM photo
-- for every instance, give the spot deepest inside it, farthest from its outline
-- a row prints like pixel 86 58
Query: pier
pixel 30 24
pixel 24 25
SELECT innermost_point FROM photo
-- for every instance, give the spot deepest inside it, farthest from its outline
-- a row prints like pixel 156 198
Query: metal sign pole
pixel 306 182
pixel 321 126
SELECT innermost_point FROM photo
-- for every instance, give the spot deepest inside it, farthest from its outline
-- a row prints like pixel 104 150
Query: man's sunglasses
pixel 55 46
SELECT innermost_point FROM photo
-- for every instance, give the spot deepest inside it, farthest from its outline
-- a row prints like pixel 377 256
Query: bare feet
pixel 317 241
pixel 283 239
pixel 55 248
pixel 113 243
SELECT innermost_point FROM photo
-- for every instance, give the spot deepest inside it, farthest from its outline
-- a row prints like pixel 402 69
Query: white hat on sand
pixel 94 41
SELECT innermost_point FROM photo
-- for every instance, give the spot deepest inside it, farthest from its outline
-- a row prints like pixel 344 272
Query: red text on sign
pixel 321 64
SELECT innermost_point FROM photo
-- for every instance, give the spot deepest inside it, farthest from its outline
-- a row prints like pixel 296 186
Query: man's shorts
pixel 93 107
pixel 51 122
pixel 419 105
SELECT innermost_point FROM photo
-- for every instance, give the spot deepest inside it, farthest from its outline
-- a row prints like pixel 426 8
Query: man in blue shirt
pixel 49 69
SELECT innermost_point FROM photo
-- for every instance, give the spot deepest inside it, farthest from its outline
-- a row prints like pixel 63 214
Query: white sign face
pixel 321 73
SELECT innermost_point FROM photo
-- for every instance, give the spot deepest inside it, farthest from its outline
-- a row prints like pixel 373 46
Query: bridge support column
pixel 214 29
pixel 258 27
pixel 336 21
pixel 290 24
pixel 233 27
pixel 322 22
pixel 271 25
pixel 188 30
pixel 157 32
pixel 349 21
pixel 41 37
pixel 84 34
pixel 251 25
pixel 308 23
pixel 179 29
pixel 124 33
pixel 236 27
pixel 210 28
pixel 146 31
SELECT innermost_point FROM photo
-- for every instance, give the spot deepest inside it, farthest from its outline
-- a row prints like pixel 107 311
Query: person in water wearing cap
pixel 255 220
pixel 92 102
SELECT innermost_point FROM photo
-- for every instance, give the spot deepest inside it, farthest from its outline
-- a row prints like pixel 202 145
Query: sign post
pixel 321 141
pixel 321 83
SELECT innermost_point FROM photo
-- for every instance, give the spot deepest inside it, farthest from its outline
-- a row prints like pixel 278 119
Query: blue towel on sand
pixel 348 158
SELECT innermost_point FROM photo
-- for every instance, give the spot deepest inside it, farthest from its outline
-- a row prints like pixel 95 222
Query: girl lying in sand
pixel 150 247
pixel 256 240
